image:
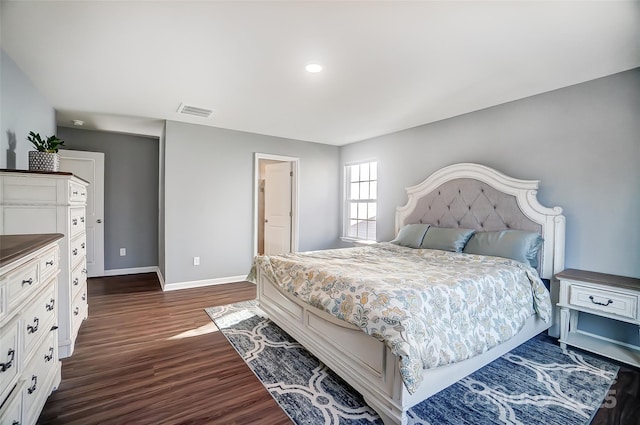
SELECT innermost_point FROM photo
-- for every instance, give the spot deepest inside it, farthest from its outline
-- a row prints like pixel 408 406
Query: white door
pixel 277 208
pixel 89 166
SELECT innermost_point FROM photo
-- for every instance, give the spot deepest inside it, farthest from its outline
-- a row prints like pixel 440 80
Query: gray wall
pixel 130 191
pixel 209 198
pixel 582 142
pixel 22 109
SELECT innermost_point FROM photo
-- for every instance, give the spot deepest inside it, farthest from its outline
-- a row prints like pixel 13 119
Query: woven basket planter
pixel 43 161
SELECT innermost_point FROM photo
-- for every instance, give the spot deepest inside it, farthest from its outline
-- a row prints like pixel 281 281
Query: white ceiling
pixel 126 66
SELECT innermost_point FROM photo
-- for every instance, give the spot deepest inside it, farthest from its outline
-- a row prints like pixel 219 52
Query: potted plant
pixel 45 157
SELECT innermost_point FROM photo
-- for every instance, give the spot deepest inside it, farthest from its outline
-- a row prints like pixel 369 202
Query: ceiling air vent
pixel 194 110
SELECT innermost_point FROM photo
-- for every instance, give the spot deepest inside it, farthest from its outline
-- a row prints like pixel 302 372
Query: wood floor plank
pixel 150 357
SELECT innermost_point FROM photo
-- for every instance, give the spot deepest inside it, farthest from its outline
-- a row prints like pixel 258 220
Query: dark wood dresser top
pixel 54 173
pixel 603 278
pixel 13 247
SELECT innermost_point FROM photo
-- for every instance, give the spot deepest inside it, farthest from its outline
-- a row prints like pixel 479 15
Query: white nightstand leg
pixel 573 320
pixel 565 314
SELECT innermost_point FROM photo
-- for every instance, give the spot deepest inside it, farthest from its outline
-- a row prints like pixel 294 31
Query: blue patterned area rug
pixel 534 384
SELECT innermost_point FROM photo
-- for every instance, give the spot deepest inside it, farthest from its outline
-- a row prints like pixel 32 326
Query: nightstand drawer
pixel 612 302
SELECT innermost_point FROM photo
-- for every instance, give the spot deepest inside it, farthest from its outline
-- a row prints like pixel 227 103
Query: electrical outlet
pixel 196 261
pixel 123 252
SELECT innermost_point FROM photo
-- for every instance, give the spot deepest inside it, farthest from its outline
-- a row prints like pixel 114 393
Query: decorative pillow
pixel 411 235
pixel 446 239
pixel 515 244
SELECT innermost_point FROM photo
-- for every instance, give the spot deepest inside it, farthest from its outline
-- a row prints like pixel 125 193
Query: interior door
pixel 89 166
pixel 277 208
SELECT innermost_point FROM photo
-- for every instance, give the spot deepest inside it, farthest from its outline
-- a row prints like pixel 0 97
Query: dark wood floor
pixel 148 357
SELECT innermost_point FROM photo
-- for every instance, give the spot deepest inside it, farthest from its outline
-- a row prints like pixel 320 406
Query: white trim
pixel 206 282
pixel 160 278
pixel 133 270
pixel 295 167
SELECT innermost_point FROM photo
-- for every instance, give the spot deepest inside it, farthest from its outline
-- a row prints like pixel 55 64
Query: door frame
pixel 295 167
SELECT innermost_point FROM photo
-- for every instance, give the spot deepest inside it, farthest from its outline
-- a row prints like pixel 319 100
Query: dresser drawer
pixel 77 193
pixel 76 220
pixel 609 301
pixel 12 409
pixel 20 283
pixel 78 311
pixel 39 318
pixel 9 358
pixel 78 279
pixel 78 249
pixel 48 264
pixel 39 375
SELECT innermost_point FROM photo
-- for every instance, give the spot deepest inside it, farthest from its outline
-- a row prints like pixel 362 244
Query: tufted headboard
pixel 474 196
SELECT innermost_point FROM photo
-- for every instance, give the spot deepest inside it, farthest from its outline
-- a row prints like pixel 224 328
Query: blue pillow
pixel 446 239
pixel 411 235
pixel 515 244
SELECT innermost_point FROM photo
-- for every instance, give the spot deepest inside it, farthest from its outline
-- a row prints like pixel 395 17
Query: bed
pixel 463 196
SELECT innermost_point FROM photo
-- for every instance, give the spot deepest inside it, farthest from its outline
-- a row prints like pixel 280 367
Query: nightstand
pixel 615 297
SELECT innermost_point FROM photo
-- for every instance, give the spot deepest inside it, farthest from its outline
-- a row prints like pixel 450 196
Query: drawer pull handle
pixel 84 270
pixel 15 423
pixel 599 303
pixel 75 192
pixel 32 388
pixel 50 306
pixel 49 357
pixel 81 219
pixel 82 246
pixel 76 281
pixel 49 263
pixel 11 354
pixel 83 194
pixel 33 329
pixel 29 281
pixel 75 221
pixel 76 311
pixel 84 297
pixel 75 251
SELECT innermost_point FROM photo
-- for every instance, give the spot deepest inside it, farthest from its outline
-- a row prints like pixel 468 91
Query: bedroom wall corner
pixel 131 194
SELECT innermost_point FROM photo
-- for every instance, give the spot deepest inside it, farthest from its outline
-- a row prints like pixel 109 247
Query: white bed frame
pixel 365 362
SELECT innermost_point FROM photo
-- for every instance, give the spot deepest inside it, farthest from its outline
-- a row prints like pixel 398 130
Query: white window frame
pixel 346 214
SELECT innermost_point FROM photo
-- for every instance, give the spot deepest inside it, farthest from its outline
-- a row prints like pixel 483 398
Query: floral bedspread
pixel 430 307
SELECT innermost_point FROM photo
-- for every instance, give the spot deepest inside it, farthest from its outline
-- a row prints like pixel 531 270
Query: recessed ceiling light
pixel 313 67
pixel 78 122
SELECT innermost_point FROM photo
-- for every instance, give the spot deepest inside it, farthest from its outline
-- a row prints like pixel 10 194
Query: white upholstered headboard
pixel 474 196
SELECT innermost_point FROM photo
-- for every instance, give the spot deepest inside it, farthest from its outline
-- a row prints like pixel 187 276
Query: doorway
pixel 275 204
pixel 89 166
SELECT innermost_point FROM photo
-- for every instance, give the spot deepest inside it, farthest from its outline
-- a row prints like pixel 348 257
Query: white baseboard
pixel 134 270
pixel 205 282
pixel 177 285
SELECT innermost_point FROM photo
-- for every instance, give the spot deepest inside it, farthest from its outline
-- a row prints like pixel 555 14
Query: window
pixel 361 189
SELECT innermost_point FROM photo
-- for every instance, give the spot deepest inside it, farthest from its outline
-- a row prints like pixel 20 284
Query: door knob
pixel 99 220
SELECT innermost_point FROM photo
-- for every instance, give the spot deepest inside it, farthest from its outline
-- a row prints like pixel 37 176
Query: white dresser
pixel 52 203
pixel 29 364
